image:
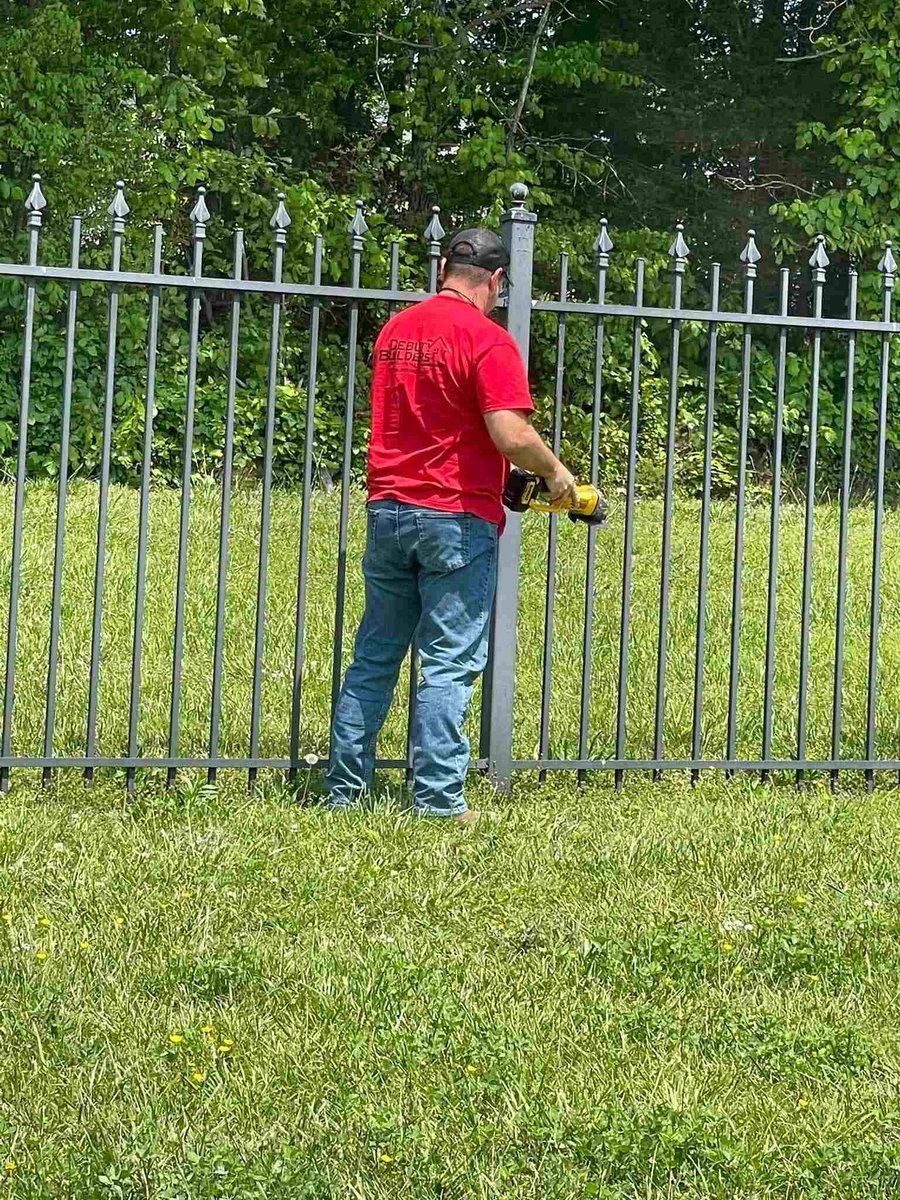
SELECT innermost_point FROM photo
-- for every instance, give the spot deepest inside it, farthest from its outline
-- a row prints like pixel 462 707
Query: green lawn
pixel 200 623
pixel 670 992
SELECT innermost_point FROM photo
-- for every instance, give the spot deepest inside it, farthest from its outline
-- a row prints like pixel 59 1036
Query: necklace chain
pixel 462 295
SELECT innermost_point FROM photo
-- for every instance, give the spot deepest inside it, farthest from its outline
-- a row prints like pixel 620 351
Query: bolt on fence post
pixel 517 227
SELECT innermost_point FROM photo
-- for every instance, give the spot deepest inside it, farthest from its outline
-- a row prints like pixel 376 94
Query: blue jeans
pixel 429 575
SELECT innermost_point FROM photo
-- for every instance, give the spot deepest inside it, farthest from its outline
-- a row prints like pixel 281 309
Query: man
pixel 450 409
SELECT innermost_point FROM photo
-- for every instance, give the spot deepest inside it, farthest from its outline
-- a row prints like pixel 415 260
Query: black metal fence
pixel 498 710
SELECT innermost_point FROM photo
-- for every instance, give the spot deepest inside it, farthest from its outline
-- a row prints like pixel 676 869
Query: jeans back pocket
pixel 443 541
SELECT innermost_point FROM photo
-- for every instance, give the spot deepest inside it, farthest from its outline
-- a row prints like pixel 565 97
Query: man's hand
pixel 514 437
pixel 561 486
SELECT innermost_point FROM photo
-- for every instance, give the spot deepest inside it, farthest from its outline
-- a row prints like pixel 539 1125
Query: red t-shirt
pixel 439 366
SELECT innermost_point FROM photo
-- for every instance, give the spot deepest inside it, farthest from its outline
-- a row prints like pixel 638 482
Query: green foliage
pixel 174 96
pixel 404 104
pixel 857 201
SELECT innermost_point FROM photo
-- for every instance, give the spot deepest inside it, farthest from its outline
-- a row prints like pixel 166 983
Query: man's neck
pixel 463 293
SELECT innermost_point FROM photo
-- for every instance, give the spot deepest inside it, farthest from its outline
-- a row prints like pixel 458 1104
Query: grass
pixel 667 993
pixel 277 680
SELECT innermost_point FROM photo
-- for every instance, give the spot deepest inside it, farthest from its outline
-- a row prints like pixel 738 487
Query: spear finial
pixel 281 220
pixel 603 243
pixel 750 254
pixel 679 250
pixel 819 259
pixel 358 227
pixel 37 201
pixel 888 265
pixel 200 213
pixel 119 209
pixel 435 231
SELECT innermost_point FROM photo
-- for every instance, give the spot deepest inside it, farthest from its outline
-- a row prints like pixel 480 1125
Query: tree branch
pixel 798 58
pixel 516 122
pixel 764 182
pixel 812 30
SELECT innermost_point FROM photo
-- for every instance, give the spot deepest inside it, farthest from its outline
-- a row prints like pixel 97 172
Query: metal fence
pixel 498 709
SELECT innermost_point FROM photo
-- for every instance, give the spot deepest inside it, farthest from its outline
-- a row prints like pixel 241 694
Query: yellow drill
pixel 524 490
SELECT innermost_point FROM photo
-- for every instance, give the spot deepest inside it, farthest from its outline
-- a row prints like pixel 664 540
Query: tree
pixel 709 136
pixel 856 201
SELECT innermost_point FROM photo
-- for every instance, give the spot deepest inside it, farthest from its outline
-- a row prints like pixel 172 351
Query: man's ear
pixel 442 270
pixel 497 279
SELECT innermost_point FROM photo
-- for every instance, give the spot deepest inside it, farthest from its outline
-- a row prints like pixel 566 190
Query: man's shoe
pixel 469 817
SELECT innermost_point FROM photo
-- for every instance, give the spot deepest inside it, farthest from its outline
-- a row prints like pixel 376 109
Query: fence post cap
pixel 518 194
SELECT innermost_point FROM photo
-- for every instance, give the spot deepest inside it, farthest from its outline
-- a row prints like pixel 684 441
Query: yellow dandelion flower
pixel 727 947
pixel 385 1158
pixel 11 1165
pixel 470 1070
pixel 45 922
pixel 84 945
pixel 206 1028
pixel 800 900
pixel 41 955
pixel 198 1076
pixel 176 1038
pixel 777 839
pixel 802 1102
pixel 118 921
pixel 225 1047
pixel 6 915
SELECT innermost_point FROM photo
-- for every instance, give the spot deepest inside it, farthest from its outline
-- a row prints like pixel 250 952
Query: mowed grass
pixel 319 638
pixel 668 992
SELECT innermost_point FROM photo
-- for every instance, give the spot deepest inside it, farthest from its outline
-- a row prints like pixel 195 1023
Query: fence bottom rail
pixel 84 762
pixel 311 762
pixel 703 764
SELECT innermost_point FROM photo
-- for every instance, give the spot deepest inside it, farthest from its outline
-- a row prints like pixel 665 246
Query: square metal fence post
pixel 517 227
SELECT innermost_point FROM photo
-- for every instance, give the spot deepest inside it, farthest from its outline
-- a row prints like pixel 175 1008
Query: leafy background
pixel 781 116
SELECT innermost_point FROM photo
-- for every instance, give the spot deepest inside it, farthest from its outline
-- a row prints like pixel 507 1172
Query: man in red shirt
pixel 450 411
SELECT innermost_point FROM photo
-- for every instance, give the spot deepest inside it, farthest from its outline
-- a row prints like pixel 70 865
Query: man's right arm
pixel 516 439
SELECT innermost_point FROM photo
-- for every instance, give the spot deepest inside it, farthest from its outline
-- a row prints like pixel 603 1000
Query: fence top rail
pixel 706 316
pixel 587 308
pixel 150 279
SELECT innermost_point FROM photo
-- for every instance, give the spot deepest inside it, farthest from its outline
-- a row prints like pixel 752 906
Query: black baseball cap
pixel 478 248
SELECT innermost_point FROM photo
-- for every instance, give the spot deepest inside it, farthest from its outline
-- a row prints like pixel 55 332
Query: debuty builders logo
pixel 401 350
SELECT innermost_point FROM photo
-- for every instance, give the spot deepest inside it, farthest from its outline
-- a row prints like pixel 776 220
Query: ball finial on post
pixel 518 193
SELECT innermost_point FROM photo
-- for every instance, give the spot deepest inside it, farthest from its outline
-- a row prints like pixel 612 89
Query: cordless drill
pixel 524 490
